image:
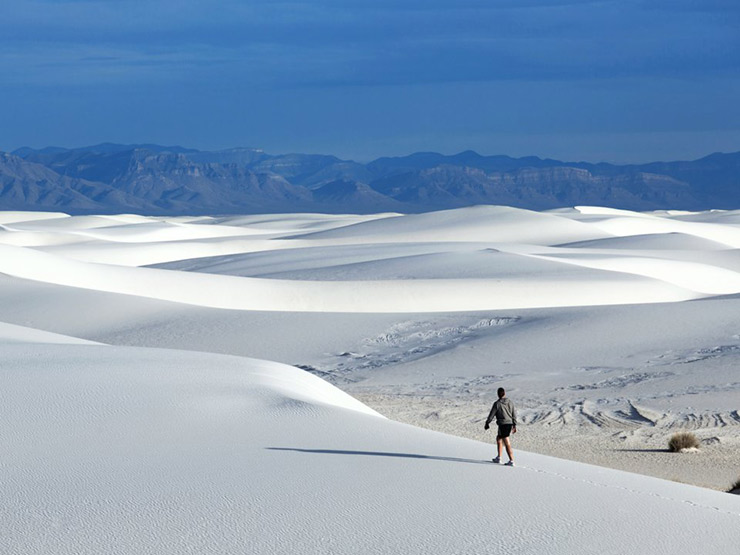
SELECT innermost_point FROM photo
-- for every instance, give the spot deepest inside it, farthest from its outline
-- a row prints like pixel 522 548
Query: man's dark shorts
pixel 504 430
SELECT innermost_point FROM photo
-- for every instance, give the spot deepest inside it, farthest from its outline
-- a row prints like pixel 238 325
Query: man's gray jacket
pixel 503 411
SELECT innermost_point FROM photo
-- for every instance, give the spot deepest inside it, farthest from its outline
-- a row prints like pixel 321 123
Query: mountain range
pixel 153 179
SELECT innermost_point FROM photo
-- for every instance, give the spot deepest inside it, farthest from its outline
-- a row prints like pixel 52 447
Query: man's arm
pixel 490 417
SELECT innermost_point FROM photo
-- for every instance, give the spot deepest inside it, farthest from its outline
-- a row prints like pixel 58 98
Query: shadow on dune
pixel 378 454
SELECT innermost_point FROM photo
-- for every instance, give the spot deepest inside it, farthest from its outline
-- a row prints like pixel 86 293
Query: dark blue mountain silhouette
pixel 154 179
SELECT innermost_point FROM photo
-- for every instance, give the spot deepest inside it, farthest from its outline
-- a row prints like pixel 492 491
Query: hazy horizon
pixel 381 155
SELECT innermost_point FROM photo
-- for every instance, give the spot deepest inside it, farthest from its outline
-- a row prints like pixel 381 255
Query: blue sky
pixel 622 81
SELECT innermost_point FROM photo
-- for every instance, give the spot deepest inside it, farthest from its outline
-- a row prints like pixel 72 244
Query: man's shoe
pixel 496 460
pixel 510 463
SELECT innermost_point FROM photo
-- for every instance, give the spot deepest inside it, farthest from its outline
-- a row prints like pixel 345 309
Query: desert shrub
pixel 735 488
pixel 682 440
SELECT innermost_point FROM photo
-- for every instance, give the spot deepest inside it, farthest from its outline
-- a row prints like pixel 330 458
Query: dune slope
pixel 154 443
pixel 130 450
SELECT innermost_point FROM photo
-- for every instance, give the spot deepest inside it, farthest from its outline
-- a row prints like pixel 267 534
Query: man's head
pixel 501 392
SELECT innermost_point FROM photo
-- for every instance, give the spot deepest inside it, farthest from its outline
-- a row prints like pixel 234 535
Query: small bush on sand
pixel 735 488
pixel 681 441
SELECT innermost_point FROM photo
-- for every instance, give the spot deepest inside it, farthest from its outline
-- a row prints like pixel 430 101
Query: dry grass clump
pixel 681 441
pixel 735 488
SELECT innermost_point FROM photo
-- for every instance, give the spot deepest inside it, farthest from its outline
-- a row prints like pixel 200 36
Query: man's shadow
pixel 379 454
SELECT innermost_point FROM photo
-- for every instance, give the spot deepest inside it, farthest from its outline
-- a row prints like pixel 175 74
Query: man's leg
pixel 499 444
pixel 506 443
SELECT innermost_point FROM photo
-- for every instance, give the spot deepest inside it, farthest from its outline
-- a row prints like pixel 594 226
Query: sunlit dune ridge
pixel 477 258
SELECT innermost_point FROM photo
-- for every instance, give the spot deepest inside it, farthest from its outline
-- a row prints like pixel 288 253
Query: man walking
pixel 505 413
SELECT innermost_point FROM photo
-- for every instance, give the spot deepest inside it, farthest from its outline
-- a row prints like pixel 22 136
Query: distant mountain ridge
pixel 154 179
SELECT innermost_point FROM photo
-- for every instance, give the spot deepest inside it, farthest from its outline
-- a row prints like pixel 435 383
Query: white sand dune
pixel 578 312
pixel 287 224
pixel 39 238
pixel 129 450
pixel 458 260
pixel 8 216
pixel 496 224
pixel 652 242
pixel 704 279
pixel 65 223
pixel 647 224
pixel 731 217
pixel 155 252
pixel 10 333
pixel 427 295
pixel 162 231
